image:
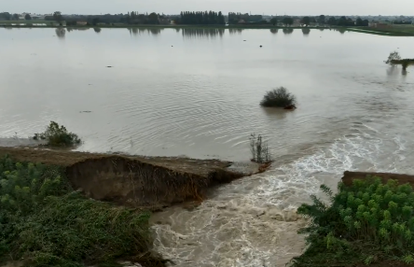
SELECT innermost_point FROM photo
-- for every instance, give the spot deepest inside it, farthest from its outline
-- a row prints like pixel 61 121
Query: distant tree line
pixel 201 18
pixel 131 18
pixel 8 16
pixel 322 20
pixel 236 18
pixel 403 22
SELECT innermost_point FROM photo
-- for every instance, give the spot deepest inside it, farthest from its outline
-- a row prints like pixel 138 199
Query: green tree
pixel 5 16
pixel 305 21
pixel 57 16
pixel 360 22
pixel 28 17
pixel 15 17
pixel 287 21
pixel 332 21
pixel 153 18
pixel 322 19
pixel 273 21
pixel 95 21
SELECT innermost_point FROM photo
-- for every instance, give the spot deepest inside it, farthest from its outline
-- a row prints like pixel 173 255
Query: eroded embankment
pixel 402 178
pixel 133 180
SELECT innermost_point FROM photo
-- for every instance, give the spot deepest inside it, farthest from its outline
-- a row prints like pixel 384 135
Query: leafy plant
pixel 43 222
pixel 259 149
pixel 58 136
pixel 365 223
pixel 279 97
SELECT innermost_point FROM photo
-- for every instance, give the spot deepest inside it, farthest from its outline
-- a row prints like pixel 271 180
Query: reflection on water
pixel 235 31
pixel 287 30
pixel 202 32
pixel 139 31
pixel 97 30
pixel 60 33
pixel 274 31
pixel 306 31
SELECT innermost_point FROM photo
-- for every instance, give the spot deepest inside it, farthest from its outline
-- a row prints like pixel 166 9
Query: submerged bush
pixel 259 149
pixel 43 222
pixel 393 56
pixel 58 136
pixel 366 223
pixel 278 98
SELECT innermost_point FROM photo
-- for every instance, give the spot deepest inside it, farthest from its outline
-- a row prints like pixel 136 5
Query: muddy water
pixel 196 93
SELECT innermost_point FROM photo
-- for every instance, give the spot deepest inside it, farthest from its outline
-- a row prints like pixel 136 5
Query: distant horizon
pixel 224 13
pixel 270 7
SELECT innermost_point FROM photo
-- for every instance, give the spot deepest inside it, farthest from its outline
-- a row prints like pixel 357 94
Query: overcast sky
pixel 268 7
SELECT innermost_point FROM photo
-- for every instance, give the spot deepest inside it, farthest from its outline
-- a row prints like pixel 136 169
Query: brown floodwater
pixel 196 93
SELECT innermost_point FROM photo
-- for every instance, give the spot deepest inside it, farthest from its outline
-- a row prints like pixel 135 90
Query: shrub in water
pixel 393 56
pixel 43 222
pixel 58 136
pixel 259 149
pixel 278 98
pixel 365 223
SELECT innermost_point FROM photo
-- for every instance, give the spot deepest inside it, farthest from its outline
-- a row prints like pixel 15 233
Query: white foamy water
pixel 252 222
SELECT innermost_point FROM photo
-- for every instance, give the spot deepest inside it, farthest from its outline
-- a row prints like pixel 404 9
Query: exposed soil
pixel 137 181
pixel 402 178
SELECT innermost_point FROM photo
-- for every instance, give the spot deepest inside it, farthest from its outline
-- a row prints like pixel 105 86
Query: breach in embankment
pixel 137 181
pixel 65 208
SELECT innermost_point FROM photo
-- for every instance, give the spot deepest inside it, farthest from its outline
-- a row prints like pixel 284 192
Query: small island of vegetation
pixel 58 136
pixel 279 98
pixel 395 59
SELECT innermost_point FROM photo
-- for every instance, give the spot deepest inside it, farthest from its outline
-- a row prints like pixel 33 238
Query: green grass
pixel 366 223
pixel 391 30
pixel 43 222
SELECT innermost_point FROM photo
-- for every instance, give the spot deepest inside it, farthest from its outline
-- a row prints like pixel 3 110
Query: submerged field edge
pixel 367 30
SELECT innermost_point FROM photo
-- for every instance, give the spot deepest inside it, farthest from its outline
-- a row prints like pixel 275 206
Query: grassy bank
pixel 44 222
pixel 391 30
pixel 366 223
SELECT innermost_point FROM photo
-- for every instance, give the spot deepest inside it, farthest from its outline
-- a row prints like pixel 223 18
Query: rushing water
pixel 196 92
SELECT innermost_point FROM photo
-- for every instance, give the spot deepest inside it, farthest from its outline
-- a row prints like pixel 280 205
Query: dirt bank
pixel 138 181
pixel 402 178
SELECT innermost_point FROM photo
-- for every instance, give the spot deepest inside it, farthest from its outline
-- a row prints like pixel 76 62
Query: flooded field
pixel 196 93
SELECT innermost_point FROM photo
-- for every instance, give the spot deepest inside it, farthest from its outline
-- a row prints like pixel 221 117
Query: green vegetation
pixel 366 223
pixel 259 149
pixel 58 136
pixel 393 56
pixel 389 30
pixel 201 18
pixel 395 59
pixel 278 98
pixel 43 222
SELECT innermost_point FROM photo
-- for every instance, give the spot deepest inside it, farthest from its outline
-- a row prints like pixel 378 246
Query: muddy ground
pixel 402 178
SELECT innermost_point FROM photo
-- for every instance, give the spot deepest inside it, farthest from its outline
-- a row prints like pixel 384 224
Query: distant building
pixel 81 23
